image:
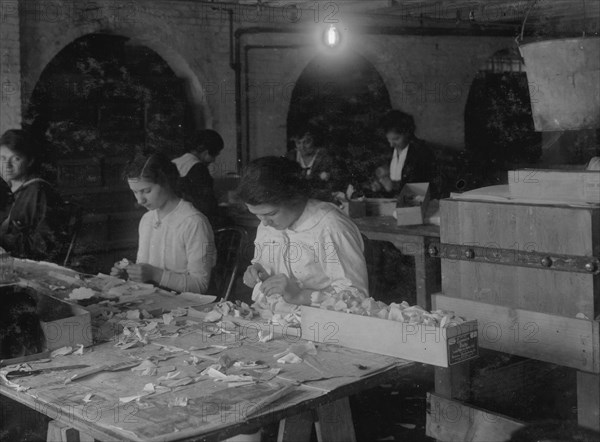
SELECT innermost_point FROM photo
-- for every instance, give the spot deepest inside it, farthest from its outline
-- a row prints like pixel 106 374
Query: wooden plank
pixel 588 400
pixel 559 229
pixel 296 428
pixel 388 225
pixel 560 340
pixel 547 291
pixel 414 342
pixel 556 185
pixel 335 422
pixel 449 420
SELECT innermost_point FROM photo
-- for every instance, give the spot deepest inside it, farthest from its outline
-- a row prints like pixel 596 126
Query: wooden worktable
pixel 214 410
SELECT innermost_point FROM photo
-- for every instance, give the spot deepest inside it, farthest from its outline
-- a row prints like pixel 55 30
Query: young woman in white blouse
pixel 303 246
pixel 176 245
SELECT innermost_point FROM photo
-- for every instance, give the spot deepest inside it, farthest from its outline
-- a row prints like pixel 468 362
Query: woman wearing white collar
pixel 34 227
pixel 176 244
pixel 303 246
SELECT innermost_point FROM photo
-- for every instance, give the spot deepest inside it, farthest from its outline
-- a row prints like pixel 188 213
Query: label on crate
pixel 462 347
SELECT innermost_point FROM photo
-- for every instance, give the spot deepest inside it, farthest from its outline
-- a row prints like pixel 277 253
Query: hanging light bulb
pixel 332 36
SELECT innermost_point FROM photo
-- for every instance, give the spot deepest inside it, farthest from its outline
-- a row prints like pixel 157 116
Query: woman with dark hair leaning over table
pixel 412 161
pixel 304 248
pixel 35 225
pixel 176 244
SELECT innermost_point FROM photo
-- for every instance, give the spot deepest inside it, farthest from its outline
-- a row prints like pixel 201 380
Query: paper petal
pixel 63 351
pixel 290 358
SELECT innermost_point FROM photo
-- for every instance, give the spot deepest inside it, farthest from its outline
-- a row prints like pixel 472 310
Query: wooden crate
pixel 416 342
pixel 551 229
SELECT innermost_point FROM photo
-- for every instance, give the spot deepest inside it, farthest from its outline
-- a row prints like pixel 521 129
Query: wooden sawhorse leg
pixel 58 432
pixel 334 424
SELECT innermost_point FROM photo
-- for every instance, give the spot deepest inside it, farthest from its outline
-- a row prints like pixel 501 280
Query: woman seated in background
pixel 176 244
pixel 319 167
pixel 303 246
pixel 35 225
pixel 411 160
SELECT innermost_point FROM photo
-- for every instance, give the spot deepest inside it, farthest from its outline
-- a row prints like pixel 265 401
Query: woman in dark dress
pixel 35 225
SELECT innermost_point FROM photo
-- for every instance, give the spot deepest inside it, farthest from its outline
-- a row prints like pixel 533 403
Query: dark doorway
pixel 98 102
pixel 499 130
pixel 345 98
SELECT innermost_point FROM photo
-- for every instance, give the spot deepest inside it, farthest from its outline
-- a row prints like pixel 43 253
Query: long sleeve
pixel 201 257
pixel 343 260
pixel 325 253
pixel 182 245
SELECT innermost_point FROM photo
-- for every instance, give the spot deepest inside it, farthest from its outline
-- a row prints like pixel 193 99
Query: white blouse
pixel 182 244
pixel 322 249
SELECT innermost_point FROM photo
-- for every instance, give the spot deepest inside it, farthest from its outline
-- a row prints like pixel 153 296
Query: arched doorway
pixel 103 97
pixel 99 101
pixel 499 130
pixel 344 97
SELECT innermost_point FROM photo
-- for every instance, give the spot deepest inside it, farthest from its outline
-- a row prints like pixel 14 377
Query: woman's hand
pixel 281 285
pixel 254 274
pixel 382 176
pixel 144 273
pixel 118 271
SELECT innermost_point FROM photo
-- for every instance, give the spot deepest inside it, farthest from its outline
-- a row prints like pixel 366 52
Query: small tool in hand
pixel 24 373
pixel 109 367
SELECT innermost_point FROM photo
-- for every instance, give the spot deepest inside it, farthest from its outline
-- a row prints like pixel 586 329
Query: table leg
pixel 335 422
pixel 427 274
pixel 454 382
pixel 588 400
pixel 296 428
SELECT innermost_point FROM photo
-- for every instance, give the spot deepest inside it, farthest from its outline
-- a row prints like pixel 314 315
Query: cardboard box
pixel 380 206
pixel 412 204
pixel 416 342
pixel 64 324
pixel 354 208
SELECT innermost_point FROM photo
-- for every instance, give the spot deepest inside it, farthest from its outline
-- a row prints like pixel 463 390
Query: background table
pixel 413 241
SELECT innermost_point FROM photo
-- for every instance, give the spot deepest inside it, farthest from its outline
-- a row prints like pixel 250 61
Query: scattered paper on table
pixel 63 351
pixel 290 358
pixel 178 402
pixel 133 314
pixel 167 318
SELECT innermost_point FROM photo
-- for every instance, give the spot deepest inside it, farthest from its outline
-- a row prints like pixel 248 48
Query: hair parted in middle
pixel 273 180
pixel 156 168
